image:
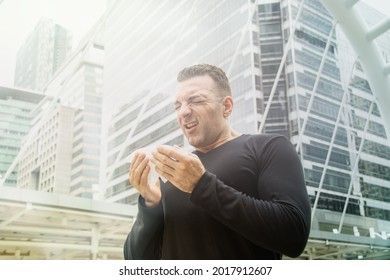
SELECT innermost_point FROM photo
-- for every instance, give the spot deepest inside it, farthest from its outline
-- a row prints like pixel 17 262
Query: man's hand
pixel 138 177
pixel 182 168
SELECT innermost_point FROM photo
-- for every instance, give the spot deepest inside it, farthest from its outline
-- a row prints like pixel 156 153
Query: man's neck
pixel 222 140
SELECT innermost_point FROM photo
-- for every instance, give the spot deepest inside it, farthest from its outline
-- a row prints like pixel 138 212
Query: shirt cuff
pixel 203 186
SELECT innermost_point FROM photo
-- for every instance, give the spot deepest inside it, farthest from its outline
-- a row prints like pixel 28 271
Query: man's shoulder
pixel 266 141
pixel 263 138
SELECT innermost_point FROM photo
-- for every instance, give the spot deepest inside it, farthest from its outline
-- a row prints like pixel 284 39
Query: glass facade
pixel 62 152
pixel 41 55
pixel 85 167
pixel 336 126
pixel 15 123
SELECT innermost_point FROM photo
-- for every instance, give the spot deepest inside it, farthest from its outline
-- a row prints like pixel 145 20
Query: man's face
pixel 200 111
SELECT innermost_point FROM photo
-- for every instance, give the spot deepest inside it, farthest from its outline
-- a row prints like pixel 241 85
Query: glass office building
pixel 15 123
pixel 42 54
pixel 50 208
pixel 62 153
pixel 292 72
pixel 337 128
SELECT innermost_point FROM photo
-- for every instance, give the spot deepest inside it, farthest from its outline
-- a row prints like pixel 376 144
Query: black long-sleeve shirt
pixel 251 203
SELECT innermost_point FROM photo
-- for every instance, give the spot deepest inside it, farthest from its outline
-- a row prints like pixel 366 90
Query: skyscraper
pixel 41 55
pixel 337 128
pixel 292 72
pixel 15 122
pixel 63 154
pixel 46 158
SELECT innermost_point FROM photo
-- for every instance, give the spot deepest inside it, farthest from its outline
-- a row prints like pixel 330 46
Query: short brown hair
pixel 216 73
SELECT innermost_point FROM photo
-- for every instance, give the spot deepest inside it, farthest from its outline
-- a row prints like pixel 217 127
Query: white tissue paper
pixel 153 175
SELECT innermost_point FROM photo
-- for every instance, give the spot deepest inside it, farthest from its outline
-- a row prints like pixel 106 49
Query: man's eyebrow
pixel 192 96
pixel 198 94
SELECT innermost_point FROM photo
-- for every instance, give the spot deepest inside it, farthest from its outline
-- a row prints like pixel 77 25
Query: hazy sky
pixel 18 18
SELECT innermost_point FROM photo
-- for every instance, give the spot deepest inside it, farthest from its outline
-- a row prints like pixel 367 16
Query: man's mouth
pixel 190 125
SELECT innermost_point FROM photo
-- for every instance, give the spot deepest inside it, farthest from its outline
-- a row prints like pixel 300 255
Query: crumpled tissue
pixel 153 175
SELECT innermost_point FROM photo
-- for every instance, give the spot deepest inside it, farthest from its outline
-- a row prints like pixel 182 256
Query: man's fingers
pixel 144 176
pixel 174 153
pixel 138 165
pixel 133 160
pixel 164 171
pixel 164 163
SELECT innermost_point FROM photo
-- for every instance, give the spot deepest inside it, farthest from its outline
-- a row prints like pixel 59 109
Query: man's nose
pixel 184 111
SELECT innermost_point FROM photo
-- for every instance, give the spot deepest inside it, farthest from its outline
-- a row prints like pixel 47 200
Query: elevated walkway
pixel 38 225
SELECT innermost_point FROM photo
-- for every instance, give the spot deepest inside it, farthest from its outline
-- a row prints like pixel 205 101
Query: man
pixel 235 197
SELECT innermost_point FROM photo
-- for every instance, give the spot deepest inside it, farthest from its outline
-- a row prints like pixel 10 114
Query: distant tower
pixel 41 55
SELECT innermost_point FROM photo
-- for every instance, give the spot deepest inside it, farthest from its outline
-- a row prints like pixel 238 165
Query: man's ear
pixel 228 106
